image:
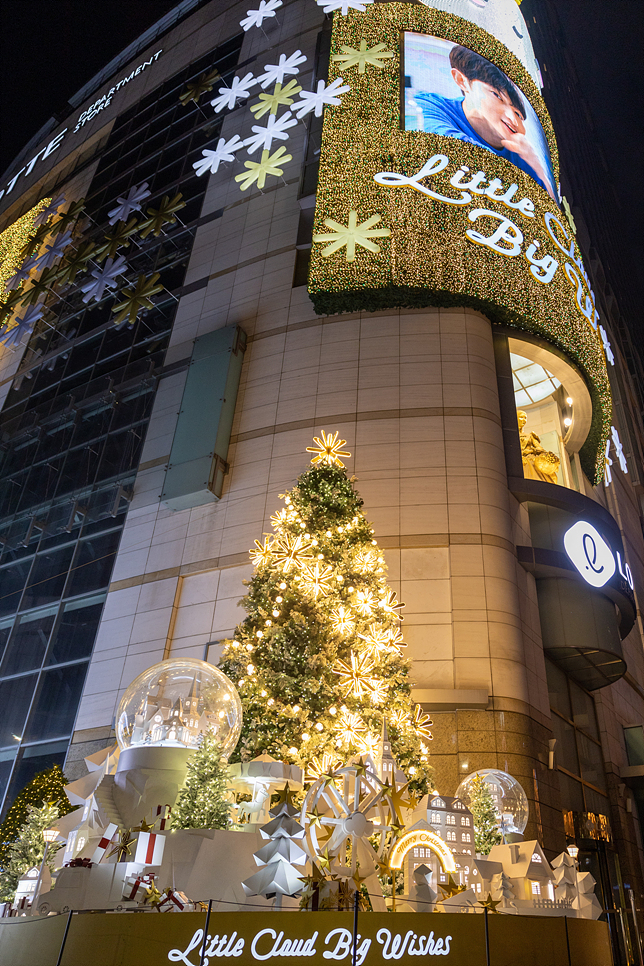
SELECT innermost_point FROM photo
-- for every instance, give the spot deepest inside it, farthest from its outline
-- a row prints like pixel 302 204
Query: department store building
pixel 192 329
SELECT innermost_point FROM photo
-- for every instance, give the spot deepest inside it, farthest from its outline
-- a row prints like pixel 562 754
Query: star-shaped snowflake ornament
pixel 23 325
pixel 315 100
pixel 282 96
pixel 258 170
pixel 275 73
pixel 239 90
pixel 45 213
pixel 350 57
pixel 54 251
pixel 255 18
pixel 135 299
pixel 20 275
pixel 165 214
pixel 225 151
pixel 351 235
pixel 343 5
pixel 203 85
pixel 131 202
pixel 275 129
pixel 103 278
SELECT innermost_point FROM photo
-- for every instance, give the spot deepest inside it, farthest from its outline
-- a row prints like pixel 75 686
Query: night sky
pixel 50 48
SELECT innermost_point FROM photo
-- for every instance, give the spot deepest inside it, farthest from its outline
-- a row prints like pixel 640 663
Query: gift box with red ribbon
pixel 174 901
pixel 79 864
pixel 105 842
pixel 135 887
pixel 163 817
pixel 149 848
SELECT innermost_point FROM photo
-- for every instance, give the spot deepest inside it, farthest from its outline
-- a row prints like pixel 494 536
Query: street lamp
pixel 49 835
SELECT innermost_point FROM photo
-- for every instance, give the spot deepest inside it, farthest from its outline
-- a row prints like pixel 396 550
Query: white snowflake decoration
pixel 606 345
pixel 238 91
pixel 619 449
pixel 315 100
pixel 225 151
pixel 275 130
pixel 103 278
pixel 45 213
pixel 53 252
pixel 23 326
pixel 343 6
pixel 131 202
pixel 275 73
pixel 608 476
pixel 21 275
pixel 255 18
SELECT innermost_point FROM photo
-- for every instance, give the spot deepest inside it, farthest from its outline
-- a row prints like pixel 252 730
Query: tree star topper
pixel 328 450
pixel 351 235
pixel 350 57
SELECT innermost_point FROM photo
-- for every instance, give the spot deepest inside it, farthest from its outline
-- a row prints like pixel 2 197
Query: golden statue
pixel 538 463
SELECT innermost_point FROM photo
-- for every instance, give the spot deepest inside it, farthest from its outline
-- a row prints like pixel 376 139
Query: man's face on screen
pixel 489 111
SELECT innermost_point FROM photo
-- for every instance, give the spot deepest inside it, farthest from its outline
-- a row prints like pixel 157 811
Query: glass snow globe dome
pixel 176 701
pixel 510 800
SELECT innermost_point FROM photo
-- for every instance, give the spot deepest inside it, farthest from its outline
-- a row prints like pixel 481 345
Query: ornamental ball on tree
pixel 319 660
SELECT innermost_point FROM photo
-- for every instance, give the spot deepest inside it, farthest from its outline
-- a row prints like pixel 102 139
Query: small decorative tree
pixel 483 809
pixel 28 848
pixel 46 786
pixel 203 802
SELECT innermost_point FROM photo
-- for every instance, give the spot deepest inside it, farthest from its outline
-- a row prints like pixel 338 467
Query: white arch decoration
pixel 426 838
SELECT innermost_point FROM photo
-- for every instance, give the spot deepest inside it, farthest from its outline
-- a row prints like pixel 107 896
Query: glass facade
pixel 73 426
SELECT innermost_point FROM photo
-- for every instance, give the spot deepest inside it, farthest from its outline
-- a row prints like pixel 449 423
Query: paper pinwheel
pixel 131 202
pixel 223 152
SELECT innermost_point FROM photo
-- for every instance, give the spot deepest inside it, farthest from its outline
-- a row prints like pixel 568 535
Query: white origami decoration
pixel 53 252
pixel 315 100
pixel 343 5
pixel 104 277
pixel 275 73
pixel 619 449
pixel 21 275
pixel 238 91
pixel 225 151
pixel 606 345
pixel 255 18
pixel 45 213
pixel 23 326
pixel 275 129
pixel 131 202
pixel 608 476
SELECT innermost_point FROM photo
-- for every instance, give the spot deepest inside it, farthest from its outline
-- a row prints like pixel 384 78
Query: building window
pixel 465 820
pixel 466 837
pixel 451 836
pixel 450 820
pixel 436 818
pixel 536 888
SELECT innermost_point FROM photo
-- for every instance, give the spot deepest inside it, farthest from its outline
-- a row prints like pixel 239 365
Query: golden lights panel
pixel 415 218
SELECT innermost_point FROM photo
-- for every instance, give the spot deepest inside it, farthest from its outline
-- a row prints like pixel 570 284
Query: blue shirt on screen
pixel 445 116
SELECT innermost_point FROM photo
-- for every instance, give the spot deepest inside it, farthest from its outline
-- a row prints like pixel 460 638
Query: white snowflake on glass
pixel 21 275
pixel 315 100
pixel 53 252
pixel 606 345
pixel 23 326
pixel 238 91
pixel 275 73
pixel 104 277
pixel 275 130
pixel 343 5
pixel 45 213
pixel 225 151
pixel 608 476
pixel 255 18
pixel 131 202
pixel 619 449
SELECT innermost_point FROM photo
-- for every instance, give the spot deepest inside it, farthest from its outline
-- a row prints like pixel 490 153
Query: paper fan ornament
pixel 131 202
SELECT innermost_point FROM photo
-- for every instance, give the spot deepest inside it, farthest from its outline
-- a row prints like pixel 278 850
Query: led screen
pixel 452 91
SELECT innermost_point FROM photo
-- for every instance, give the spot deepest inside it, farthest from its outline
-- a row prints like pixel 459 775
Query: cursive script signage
pixel 592 556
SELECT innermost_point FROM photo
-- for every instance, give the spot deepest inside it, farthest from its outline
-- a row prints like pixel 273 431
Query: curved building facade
pixel 250 229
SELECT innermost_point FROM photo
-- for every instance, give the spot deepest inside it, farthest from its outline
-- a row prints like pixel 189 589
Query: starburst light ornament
pixel 391 605
pixel 262 555
pixel 374 56
pixel 355 677
pixel 342 620
pixel 343 5
pixel 54 251
pixel 319 768
pixel 225 151
pixel 292 552
pixel 422 723
pixel 365 602
pixel 45 213
pixel 328 450
pixel 282 96
pixel 255 18
pixel 131 202
pixel 259 170
pixel 275 73
pixel 135 299
pixel 317 580
pixel 352 730
pixel 376 641
pixel 23 326
pixel 315 100
pixel 348 236
pixel 239 90
pixel 276 128
pixel 103 278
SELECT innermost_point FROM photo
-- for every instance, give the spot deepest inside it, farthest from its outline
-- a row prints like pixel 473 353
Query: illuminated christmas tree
pixel 28 848
pixel 319 661
pixel 204 802
pixel 46 786
pixel 483 809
